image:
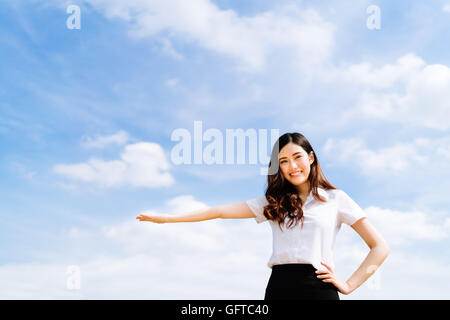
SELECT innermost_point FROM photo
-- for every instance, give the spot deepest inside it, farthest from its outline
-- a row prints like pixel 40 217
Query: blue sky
pixel 373 103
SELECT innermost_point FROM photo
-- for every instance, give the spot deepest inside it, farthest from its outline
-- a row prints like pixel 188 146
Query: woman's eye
pixel 283 161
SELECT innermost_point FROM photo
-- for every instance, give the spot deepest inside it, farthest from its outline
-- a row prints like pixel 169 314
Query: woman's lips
pixel 295 174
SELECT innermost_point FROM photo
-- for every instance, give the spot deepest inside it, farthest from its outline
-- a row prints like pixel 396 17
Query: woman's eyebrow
pixel 292 154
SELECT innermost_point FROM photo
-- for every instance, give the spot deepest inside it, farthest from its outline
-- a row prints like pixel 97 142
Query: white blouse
pixel 322 221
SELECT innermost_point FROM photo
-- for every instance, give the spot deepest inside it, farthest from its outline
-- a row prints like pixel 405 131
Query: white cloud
pixel 392 160
pixel 409 92
pixel 141 164
pixel 446 8
pixel 223 172
pixel 413 174
pixel 400 229
pixel 419 157
pixel 403 228
pixel 215 259
pixel 413 238
pixel 184 261
pixel 34 281
pixel 184 203
pixel 387 76
pixel 121 137
pixel 169 49
pixel 405 274
pixel 250 40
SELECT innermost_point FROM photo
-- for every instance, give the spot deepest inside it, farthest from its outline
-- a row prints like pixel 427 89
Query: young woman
pixel 305 212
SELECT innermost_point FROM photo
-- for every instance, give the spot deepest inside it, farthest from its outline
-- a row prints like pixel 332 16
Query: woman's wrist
pixel 351 286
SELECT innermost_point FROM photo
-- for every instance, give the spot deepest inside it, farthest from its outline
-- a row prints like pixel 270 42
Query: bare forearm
pixel 374 259
pixel 238 210
pixel 194 216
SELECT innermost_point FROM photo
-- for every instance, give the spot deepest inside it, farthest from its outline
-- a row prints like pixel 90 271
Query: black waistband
pixel 294 266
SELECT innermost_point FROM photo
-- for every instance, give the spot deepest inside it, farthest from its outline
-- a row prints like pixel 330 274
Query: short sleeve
pixel 349 211
pixel 257 206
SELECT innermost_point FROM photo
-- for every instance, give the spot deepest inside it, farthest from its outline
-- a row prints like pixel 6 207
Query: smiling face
pixel 295 165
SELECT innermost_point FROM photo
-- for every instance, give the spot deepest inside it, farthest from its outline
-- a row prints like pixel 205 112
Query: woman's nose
pixel 293 165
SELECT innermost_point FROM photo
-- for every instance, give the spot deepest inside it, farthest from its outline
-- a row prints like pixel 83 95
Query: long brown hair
pixel 284 200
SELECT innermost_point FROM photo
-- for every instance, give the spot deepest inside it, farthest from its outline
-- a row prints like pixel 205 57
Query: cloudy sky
pixel 87 117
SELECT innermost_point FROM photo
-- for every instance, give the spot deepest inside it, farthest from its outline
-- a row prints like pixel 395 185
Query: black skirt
pixel 296 281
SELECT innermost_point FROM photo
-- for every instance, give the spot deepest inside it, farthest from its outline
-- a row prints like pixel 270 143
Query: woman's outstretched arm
pixel 238 210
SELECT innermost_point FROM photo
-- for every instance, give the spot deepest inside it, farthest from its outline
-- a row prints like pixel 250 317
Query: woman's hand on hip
pixel 329 276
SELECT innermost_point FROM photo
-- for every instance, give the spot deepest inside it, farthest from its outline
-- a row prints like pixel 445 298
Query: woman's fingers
pixel 154 218
pixel 333 281
pixel 322 271
pixel 142 217
pixel 327 266
pixel 325 276
pixel 328 276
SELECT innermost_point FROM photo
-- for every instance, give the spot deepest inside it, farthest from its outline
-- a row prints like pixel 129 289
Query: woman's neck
pixel 303 190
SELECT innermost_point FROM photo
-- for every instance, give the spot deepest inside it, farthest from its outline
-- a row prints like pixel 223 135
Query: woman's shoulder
pixel 339 195
pixel 260 201
pixel 329 191
pixel 333 193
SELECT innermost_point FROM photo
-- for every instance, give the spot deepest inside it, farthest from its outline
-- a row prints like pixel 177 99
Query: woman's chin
pixel 297 182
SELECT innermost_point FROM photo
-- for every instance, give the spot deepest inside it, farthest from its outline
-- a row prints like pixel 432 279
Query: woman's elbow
pixel 383 249
pixel 387 250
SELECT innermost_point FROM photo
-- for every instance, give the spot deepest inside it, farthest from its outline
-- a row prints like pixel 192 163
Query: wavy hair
pixel 282 197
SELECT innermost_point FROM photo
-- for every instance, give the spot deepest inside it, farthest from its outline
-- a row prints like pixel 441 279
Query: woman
pixel 305 212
